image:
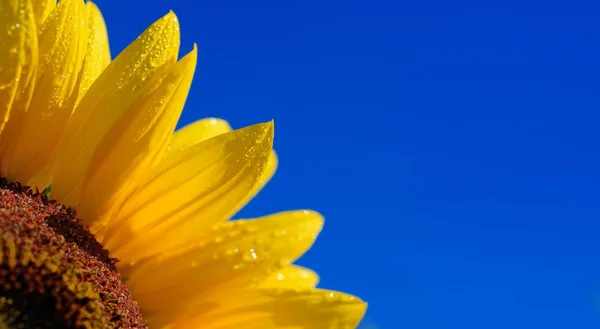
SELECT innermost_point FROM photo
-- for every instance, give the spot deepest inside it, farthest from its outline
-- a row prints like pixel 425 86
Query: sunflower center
pixel 53 272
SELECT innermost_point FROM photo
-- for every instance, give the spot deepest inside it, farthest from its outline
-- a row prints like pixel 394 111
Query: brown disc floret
pixel 53 272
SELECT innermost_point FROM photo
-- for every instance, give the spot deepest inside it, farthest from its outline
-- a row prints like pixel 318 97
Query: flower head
pixel 152 242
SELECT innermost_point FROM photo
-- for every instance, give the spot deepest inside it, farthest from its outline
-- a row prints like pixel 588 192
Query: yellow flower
pixel 101 132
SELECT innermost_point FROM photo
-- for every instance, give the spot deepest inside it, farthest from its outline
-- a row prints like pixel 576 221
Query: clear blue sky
pixel 452 145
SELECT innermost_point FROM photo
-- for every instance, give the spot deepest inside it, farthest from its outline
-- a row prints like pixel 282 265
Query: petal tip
pixel 91 4
pixel 171 16
pixel 311 220
pixel 310 215
pixel 171 20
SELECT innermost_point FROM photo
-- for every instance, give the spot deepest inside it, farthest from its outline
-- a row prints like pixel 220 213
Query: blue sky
pixel 452 145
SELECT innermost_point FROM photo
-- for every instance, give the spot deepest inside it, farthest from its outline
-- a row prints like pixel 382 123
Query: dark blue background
pixel 452 145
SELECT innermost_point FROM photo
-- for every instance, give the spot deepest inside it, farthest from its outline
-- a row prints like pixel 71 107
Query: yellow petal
pixel 231 256
pixel 62 49
pixel 197 132
pixel 276 308
pixel 42 9
pixel 18 58
pixel 190 192
pixel 292 277
pixel 137 70
pixel 270 169
pixel 136 139
pixel 207 128
pixel 97 56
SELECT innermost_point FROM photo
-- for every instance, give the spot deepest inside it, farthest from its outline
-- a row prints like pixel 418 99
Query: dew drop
pixel 251 255
pixel 232 251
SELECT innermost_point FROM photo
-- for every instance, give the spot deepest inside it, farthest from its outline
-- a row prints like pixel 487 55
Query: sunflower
pixel 139 234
